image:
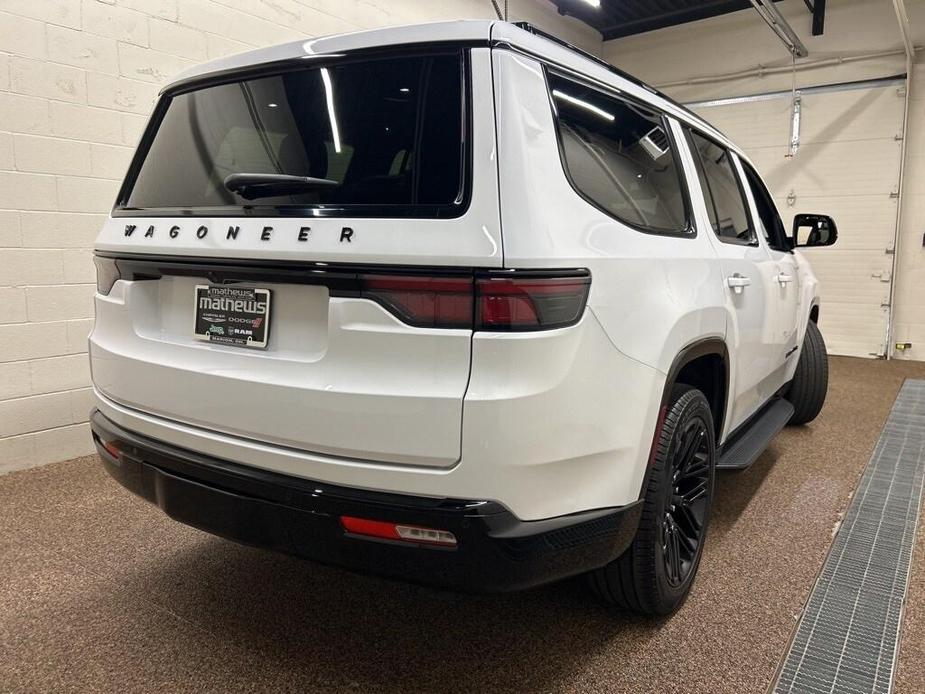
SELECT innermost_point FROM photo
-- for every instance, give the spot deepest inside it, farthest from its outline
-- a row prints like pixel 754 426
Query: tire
pixel 654 575
pixel 811 379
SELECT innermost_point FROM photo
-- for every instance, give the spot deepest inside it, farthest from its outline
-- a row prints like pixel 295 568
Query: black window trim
pixel 780 245
pixel 454 210
pixel 690 229
pixel 689 131
pixel 684 116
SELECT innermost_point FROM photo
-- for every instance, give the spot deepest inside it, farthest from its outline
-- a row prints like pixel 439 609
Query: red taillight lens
pixel 425 302
pixel 111 447
pixel 530 303
pixel 498 301
pixel 397 531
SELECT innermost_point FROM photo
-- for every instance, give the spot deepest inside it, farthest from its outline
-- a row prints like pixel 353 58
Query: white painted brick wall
pixel 77 81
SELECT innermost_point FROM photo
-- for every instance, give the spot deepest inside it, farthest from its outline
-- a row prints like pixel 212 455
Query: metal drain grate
pixel 848 635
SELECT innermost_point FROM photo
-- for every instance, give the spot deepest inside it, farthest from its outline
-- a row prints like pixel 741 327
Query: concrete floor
pixel 99 591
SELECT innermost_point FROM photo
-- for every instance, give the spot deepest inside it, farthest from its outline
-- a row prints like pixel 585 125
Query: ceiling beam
pixel 704 10
pixel 818 11
pixel 774 19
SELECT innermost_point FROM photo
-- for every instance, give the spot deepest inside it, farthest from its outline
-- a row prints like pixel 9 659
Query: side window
pixel 722 193
pixel 769 220
pixel 619 157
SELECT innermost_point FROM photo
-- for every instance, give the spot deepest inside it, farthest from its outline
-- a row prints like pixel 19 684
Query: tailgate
pixel 340 376
pixel 313 184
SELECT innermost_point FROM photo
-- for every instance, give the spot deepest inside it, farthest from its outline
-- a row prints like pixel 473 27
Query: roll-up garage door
pixel 847 166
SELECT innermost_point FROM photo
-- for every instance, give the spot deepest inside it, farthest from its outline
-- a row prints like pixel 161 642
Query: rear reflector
pixel 394 531
pixel 111 447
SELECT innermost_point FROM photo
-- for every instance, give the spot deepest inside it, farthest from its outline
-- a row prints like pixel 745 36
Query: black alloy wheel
pixel 686 500
pixel 654 575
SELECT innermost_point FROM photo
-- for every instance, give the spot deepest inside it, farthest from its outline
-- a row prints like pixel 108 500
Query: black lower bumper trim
pixel 495 550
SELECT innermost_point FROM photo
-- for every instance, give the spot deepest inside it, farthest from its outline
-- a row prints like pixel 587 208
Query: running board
pixel 748 445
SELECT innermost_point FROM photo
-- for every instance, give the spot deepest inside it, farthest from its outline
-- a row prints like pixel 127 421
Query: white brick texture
pixel 4 71
pixel 78 79
pixel 51 155
pixel 48 80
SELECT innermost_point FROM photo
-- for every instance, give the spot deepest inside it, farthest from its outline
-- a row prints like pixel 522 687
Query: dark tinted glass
pixel 704 184
pixel 769 220
pixel 619 156
pixel 722 192
pixel 386 132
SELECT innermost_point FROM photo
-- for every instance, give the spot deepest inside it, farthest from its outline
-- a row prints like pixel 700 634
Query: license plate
pixel 238 316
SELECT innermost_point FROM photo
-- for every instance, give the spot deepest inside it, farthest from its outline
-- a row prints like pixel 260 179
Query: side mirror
pixel 812 230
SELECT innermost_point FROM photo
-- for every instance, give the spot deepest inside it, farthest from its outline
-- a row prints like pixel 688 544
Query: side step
pixel 748 444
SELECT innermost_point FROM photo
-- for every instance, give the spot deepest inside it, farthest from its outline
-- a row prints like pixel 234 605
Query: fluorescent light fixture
pixel 404 90
pixel 329 97
pixel 583 104
pixel 594 3
pixel 272 105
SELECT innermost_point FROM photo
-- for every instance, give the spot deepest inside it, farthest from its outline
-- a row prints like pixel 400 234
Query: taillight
pixel 516 303
pixel 503 300
pixel 107 272
pixel 424 302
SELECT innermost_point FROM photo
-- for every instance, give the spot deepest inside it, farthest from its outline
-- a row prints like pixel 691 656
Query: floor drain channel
pixel 847 638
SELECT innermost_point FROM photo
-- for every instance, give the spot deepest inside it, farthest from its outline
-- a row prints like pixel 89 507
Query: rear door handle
pixel 784 278
pixel 738 282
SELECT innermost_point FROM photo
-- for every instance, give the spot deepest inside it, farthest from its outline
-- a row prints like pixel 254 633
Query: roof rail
pixel 526 26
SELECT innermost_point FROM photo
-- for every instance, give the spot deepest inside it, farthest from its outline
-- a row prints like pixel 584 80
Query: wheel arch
pixel 705 365
pixel 699 352
pixel 810 316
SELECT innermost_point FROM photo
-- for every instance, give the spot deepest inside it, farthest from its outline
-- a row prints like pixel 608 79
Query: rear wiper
pixel 262 185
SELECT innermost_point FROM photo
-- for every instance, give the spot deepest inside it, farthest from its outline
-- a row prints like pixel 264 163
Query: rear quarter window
pixel 618 156
pixel 377 136
pixel 722 191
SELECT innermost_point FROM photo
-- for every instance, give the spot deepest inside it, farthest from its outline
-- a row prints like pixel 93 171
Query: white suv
pixel 454 303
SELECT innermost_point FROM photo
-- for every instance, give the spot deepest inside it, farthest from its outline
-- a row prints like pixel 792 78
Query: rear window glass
pixel 386 133
pixel 619 156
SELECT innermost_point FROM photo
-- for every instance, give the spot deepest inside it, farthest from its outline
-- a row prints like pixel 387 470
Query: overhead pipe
pixel 761 71
pixel 902 17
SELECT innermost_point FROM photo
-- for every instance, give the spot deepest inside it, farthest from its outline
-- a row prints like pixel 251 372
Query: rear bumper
pixel 495 552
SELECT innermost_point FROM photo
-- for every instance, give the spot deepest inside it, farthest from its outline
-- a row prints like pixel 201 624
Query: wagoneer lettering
pixel 454 304
pixel 264 233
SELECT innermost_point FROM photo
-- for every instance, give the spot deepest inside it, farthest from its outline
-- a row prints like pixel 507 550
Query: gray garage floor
pixel 99 591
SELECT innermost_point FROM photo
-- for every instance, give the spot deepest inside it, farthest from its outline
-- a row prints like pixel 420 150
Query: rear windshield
pixel 383 134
